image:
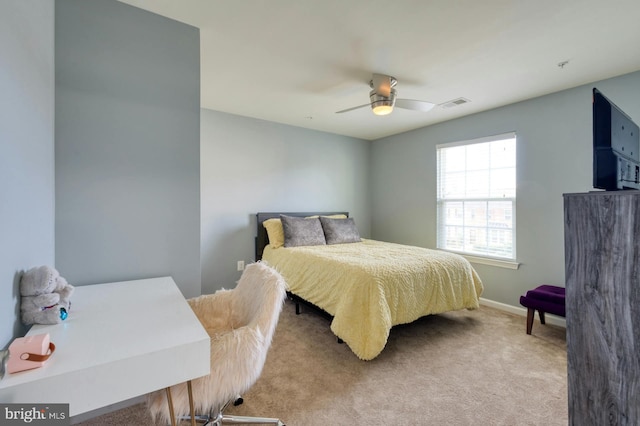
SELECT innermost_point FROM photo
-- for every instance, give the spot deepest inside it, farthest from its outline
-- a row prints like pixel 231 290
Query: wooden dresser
pixel 602 261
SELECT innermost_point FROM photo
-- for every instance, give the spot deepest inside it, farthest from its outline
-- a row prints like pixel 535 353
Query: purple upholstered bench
pixel 545 298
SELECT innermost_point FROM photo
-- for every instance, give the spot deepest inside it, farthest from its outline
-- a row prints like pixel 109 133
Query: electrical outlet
pixel 240 265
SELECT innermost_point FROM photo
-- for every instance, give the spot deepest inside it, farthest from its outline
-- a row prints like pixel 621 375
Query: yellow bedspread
pixel 371 286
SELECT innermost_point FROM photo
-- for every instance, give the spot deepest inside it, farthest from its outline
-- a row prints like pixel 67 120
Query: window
pixel 477 197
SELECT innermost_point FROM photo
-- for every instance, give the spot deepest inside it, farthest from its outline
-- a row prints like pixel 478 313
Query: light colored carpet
pixel 459 368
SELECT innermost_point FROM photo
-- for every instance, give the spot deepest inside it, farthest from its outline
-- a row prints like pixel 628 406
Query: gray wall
pixel 26 150
pixel 252 165
pixel 554 156
pixel 127 145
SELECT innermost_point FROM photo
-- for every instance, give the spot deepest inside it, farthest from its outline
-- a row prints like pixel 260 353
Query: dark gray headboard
pixel 262 239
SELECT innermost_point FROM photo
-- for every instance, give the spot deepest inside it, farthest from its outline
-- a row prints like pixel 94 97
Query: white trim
pixel 489 199
pixel 507 264
pixel 441 201
pixel 494 138
pixel 551 319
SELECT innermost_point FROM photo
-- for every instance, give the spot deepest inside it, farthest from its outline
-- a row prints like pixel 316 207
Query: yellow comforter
pixel 371 286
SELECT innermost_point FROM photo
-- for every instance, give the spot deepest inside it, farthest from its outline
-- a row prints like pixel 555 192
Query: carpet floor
pixel 458 368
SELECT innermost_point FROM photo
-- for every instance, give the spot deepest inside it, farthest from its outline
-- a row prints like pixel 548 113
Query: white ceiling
pixel 298 61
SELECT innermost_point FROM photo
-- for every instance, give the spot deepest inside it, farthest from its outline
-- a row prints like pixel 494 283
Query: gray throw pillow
pixel 340 231
pixel 299 231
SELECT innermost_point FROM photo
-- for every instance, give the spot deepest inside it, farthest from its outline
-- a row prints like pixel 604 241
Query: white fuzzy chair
pixel 241 323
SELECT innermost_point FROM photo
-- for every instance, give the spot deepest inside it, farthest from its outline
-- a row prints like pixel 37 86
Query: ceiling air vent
pixel 455 103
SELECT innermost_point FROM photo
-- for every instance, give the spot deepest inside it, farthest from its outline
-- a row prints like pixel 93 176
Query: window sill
pixel 500 263
pixel 507 264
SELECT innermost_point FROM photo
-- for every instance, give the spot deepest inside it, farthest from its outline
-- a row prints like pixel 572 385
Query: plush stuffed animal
pixel 45 296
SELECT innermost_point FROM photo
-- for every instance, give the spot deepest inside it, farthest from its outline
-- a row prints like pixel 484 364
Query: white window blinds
pixel 477 196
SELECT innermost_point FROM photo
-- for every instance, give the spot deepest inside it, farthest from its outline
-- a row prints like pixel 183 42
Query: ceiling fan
pixel 383 97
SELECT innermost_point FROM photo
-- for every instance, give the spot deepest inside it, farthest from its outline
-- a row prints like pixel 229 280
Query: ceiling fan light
pixel 382 109
pixel 382 105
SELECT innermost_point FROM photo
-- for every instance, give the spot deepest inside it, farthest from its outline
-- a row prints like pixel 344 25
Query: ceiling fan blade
pixel 423 106
pixel 351 109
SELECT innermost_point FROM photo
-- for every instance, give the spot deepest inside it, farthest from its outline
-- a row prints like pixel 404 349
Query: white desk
pixel 121 340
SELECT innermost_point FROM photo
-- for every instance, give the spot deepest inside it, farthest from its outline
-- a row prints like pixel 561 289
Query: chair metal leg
pixel 243 420
pixel 198 419
pixel 220 419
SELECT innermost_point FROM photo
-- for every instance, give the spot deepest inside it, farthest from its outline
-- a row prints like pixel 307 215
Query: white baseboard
pixel 517 310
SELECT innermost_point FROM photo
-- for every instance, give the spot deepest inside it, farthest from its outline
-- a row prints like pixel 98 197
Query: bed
pixel 366 286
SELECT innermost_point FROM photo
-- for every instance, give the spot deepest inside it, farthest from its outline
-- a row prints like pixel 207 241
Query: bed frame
pixel 262 239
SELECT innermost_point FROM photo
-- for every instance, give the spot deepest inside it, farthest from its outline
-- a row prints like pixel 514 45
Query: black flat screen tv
pixel 616 147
